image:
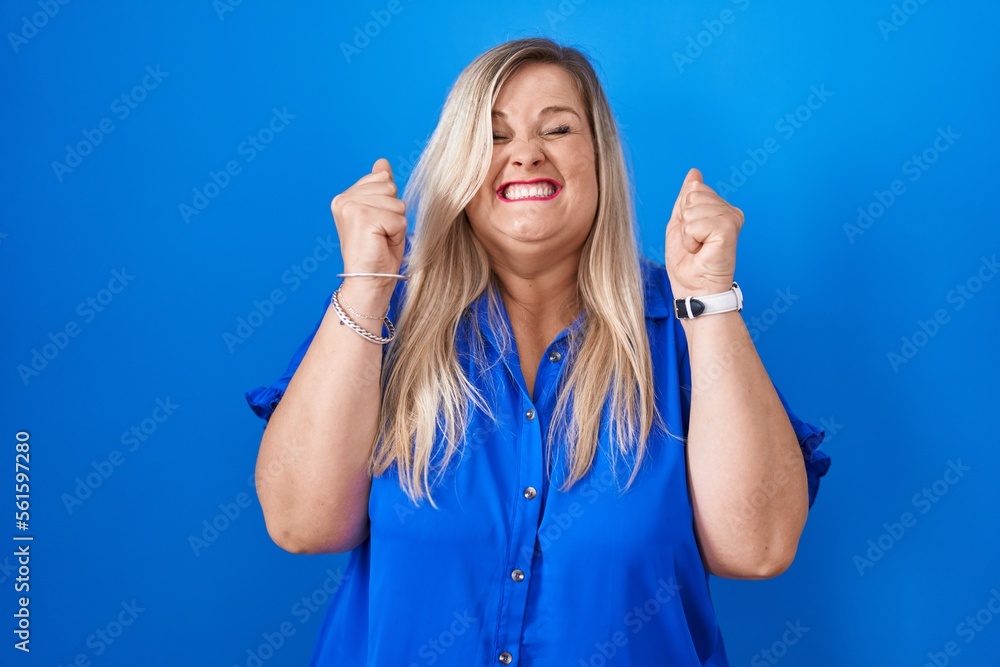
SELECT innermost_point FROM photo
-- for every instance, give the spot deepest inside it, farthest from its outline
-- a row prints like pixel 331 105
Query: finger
pixel 375 177
pixel 693 176
pixel 701 194
pixel 711 219
pixel 689 241
pixel 696 233
pixel 391 224
pixel 382 165
pixel 378 187
pixel 358 203
pixel 708 210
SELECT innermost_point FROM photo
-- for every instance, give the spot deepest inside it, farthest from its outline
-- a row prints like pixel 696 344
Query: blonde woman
pixel 535 446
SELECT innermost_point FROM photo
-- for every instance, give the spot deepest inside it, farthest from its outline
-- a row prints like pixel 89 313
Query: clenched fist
pixel 701 240
pixel 371 223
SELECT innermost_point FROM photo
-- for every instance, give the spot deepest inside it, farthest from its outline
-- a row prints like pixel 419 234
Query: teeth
pixel 533 190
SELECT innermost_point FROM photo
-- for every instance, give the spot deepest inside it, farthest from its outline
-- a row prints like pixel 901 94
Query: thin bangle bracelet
pixel 397 276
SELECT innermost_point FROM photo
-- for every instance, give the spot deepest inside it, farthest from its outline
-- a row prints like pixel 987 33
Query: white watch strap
pixel 709 304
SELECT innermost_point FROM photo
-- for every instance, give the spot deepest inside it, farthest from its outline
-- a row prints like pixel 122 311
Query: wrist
pixel 371 302
pixel 694 306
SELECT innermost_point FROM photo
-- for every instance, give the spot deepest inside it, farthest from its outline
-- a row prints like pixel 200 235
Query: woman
pixel 546 461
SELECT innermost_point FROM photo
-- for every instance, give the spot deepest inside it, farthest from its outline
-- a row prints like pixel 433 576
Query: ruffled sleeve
pixel 810 438
pixel 263 400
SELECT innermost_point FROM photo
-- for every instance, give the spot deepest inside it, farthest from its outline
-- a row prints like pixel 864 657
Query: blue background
pixel 851 294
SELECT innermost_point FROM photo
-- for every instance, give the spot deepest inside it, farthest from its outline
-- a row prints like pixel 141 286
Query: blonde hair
pixel 424 386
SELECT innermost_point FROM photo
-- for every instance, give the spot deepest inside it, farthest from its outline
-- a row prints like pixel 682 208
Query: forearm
pixel 747 476
pixel 312 469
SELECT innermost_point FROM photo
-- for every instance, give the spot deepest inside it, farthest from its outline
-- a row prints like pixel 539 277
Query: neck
pixel 539 290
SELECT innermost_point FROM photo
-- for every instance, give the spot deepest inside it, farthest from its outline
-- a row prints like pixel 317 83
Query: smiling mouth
pixel 541 189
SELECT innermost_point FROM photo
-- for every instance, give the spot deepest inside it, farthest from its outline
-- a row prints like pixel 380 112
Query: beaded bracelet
pixel 361 331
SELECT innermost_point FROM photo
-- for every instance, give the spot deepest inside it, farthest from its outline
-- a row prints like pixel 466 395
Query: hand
pixel 701 240
pixel 371 223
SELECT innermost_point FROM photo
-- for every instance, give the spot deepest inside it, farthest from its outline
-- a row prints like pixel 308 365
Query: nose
pixel 526 153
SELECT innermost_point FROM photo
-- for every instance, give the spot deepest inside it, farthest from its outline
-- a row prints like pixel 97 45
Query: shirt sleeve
pixel 263 400
pixel 810 438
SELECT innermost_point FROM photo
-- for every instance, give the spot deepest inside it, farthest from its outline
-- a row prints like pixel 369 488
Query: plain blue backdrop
pixel 168 167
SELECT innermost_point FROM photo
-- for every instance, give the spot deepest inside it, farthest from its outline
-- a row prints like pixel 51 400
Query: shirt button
pixel 530 492
pixel 530 414
pixel 555 356
pixel 506 658
pixel 517 575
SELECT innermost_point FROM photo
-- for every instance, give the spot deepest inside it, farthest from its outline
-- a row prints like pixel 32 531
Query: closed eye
pixel 560 130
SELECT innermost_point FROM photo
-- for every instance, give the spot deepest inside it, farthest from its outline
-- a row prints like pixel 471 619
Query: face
pixel 541 190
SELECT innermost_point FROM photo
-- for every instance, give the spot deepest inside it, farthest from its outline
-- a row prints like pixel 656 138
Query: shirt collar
pixel 657 300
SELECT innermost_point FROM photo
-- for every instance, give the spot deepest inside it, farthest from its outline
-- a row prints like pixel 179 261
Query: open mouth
pixel 540 189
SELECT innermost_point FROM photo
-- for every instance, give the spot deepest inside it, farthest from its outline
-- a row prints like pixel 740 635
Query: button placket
pixel 523 540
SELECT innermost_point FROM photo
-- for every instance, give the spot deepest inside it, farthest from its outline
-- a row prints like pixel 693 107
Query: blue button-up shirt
pixel 510 570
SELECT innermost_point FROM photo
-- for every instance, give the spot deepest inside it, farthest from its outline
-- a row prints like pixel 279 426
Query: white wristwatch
pixel 709 304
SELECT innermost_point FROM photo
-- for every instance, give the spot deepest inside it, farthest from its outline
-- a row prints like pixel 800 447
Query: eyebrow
pixel 544 112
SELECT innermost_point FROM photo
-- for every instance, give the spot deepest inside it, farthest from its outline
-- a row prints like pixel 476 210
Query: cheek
pixel 585 171
pixel 481 201
pixel 485 196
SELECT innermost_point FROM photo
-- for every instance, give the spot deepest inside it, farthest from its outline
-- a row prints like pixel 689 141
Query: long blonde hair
pixel 425 388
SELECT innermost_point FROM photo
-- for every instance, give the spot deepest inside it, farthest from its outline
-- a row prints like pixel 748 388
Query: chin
pixel 529 231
